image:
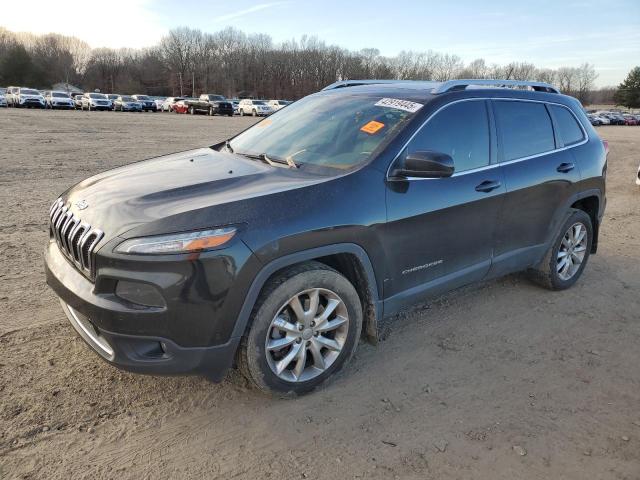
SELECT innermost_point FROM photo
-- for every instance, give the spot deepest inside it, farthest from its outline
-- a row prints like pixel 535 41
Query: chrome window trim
pixel 491 165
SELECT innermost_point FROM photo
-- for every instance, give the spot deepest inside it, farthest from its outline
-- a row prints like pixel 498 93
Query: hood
pixel 119 200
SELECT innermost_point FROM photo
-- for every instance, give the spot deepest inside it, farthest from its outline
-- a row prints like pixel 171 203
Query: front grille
pixel 76 239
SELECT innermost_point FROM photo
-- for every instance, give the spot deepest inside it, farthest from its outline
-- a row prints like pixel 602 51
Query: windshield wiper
pixel 273 161
pixel 288 160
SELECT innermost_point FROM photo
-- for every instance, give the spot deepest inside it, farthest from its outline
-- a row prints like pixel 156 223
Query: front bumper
pixel 137 338
pixel 31 103
pixel 152 355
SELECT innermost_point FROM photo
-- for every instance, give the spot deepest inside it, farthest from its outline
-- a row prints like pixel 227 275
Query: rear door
pixel 540 174
pixel 440 232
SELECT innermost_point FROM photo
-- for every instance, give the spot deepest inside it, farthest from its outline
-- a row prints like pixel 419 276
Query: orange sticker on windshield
pixel 372 127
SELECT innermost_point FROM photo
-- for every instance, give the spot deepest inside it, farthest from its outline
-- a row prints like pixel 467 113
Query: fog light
pixel 139 293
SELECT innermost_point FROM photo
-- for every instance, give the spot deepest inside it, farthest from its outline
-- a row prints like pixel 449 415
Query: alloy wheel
pixel 307 335
pixel 571 253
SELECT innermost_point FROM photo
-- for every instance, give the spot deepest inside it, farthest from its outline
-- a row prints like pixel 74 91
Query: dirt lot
pixel 502 380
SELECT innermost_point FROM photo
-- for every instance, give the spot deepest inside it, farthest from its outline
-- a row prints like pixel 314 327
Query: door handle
pixel 565 167
pixel 488 185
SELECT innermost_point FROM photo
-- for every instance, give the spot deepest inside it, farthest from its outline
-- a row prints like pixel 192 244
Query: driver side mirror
pixel 424 164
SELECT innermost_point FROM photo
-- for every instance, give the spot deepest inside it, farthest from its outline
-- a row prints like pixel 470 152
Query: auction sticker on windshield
pixel 405 105
pixel 372 127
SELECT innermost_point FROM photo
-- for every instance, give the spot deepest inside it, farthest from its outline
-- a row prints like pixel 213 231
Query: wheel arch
pixel 349 259
pixel 590 201
pixel 591 206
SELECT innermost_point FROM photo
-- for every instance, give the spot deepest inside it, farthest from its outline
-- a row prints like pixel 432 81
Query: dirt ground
pixel 503 380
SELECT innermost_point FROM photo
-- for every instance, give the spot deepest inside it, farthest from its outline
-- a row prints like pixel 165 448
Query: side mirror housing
pixel 424 164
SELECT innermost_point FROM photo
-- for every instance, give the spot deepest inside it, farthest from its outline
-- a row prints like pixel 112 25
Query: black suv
pixel 279 248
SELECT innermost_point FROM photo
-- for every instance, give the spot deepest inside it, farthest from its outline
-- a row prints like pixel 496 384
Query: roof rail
pixel 451 85
pixel 353 83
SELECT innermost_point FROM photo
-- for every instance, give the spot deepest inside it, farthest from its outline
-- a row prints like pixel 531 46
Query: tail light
pixel 605 143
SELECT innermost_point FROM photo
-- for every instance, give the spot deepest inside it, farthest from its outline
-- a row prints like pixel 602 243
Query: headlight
pixel 178 242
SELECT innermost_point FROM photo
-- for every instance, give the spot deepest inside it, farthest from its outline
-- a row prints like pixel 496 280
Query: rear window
pixel 568 127
pixel 525 129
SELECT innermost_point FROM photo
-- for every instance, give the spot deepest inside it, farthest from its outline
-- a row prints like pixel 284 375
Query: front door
pixel 440 232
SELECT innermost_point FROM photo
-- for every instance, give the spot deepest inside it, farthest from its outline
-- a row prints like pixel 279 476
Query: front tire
pixel 568 255
pixel 304 327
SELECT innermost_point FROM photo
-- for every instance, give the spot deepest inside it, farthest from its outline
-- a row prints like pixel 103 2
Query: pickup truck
pixel 210 104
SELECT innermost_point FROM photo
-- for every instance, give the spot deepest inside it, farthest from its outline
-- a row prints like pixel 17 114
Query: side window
pixel 460 130
pixel 568 127
pixel 525 129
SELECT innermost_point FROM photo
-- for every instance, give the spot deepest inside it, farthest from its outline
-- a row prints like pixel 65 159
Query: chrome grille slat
pixel 76 239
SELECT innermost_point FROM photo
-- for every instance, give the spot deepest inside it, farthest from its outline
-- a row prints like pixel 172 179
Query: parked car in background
pixel 10 95
pixel 54 99
pixel 168 104
pixel 254 107
pixel 614 118
pixel 234 104
pixel 112 97
pixel 630 119
pixel 211 104
pixel 181 105
pixel 159 101
pixel 595 121
pixel 27 98
pixel 278 104
pixel 126 103
pixel 77 102
pixel 3 99
pixel 148 104
pixel 95 101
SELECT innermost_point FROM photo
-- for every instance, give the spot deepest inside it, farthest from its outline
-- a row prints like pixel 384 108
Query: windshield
pixel 216 97
pixel 28 91
pixel 112 97
pixel 259 102
pixel 331 130
pixel 59 95
pixel 143 97
pixel 97 95
pixel 128 99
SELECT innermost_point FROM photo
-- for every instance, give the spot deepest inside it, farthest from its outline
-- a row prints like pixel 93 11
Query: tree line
pixel 188 62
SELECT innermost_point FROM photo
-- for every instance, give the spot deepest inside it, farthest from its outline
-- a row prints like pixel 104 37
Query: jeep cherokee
pixel 278 249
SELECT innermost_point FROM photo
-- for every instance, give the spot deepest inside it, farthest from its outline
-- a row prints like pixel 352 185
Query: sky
pixel 546 33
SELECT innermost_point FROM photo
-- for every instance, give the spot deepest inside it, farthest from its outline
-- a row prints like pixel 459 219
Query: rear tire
pixel 316 347
pixel 568 255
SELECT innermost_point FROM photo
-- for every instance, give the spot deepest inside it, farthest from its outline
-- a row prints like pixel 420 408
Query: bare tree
pixel 189 61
